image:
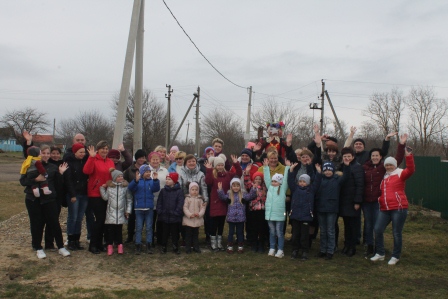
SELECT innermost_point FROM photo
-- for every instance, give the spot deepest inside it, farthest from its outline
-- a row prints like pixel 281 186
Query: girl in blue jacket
pixel 302 209
pixel 143 189
pixel 275 208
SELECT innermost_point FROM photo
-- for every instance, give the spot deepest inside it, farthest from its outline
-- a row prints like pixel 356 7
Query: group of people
pixel 172 194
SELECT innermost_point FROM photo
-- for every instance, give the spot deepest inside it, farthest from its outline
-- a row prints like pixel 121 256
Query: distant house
pixel 43 139
pixel 7 137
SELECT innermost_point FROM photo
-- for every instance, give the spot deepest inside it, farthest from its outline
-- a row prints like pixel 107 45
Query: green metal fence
pixel 429 184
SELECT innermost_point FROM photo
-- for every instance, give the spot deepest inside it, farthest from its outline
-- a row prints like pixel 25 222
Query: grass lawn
pixel 12 199
pixel 421 273
pixel 11 157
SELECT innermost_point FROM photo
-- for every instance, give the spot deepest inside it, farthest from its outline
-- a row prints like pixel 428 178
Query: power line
pixel 200 50
pixel 382 83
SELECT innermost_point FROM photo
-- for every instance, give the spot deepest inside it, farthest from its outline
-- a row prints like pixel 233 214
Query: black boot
pixel 77 243
pixel 255 246
pixel 71 243
pixel 163 250
pixel 329 256
pixel 138 249
pixel 351 251
pixel 94 250
pixel 176 249
pixel 345 249
pixel 295 254
pixel 149 248
pixel 369 250
pixel 304 256
pixel 261 247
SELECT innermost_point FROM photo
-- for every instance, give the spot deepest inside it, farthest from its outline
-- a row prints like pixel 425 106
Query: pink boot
pixel 36 192
pixel 110 249
pixel 120 248
pixel 46 190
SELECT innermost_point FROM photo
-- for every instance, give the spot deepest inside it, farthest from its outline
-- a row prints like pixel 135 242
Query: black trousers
pixel 300 235
pixel 157 229
pixel 114 234
pixel 217 225
pixel 351 230
pixel 256 226
pixel 192 237
pixel 173 230
pixel 43 215
pixel 48 236
pixel 98 207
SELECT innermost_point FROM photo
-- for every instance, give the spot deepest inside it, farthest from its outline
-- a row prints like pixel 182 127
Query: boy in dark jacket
pixel 170 211
pixel 302 206
pixel 328 207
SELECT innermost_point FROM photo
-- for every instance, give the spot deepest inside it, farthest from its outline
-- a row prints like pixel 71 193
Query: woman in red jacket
pixel 393 205
pixel 374 172
pixel 97 168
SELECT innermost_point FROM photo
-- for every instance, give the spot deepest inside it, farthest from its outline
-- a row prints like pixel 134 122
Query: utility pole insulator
pixel 168 117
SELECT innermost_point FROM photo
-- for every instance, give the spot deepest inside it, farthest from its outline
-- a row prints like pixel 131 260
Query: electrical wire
pixel 237 85
pixel 381 83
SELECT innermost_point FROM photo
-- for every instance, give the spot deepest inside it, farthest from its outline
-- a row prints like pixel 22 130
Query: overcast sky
pixel 63 57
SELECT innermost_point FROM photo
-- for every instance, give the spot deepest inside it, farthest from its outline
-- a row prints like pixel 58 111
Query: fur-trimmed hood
pixel 111 183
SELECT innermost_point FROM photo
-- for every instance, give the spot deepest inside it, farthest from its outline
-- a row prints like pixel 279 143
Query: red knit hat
pixel 113 153
pixel 76 147
pixel 257 174
pixel 174 176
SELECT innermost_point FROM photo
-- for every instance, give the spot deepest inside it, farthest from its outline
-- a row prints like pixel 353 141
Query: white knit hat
pixel 391 161
pixel 220 159
pixel 278 178
pixel 235 180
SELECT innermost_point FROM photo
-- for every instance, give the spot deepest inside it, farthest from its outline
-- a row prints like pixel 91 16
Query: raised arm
pixel 349 140
pixel 284 186
pixel 399 156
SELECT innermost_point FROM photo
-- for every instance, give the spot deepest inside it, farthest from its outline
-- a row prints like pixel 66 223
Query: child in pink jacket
pixel 194 210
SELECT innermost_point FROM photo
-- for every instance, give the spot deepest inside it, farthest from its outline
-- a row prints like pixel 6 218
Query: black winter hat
pixel 360 140
pixel 33 151
pixel 247 152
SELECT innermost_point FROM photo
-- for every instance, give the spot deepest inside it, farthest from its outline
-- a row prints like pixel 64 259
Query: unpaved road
pixel 9 172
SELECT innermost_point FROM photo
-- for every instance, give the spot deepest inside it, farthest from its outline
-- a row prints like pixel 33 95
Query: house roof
pixel 43 138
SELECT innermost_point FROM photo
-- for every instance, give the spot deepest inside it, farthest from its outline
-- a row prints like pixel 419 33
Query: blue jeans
pixel 370 210
pixel 143 217
pixel 397 217
pixel 327 231
pixel 239 227
pixel 276 230
pixel 75 214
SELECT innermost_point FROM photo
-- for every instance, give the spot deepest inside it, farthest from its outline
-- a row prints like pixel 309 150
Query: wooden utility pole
pixel 198 139
pixel 247 134
pixel 168 117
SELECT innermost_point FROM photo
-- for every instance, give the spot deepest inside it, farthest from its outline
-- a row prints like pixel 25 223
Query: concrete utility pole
pixel 138 93
pixel 322 97
pixel 168 117
pixel 137 11
pixel 335 116
pixel 247 134
pixel 185 116
pixel 188 129
pixel 198 139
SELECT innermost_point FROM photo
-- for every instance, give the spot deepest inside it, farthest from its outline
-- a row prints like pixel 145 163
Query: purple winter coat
pixel 237 211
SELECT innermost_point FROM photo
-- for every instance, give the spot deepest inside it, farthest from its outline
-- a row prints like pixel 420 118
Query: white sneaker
pixel 271 252
pixel 66 243
pixel 377 257
pixel 64 252
pixel 393 261
pixel 279 254
pixel 40 254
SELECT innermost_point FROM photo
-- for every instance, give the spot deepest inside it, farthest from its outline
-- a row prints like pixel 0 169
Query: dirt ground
pixel 9 172
pixel 82 269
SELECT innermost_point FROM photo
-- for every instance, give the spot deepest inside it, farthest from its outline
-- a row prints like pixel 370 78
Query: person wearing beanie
pixel 43 210
pixel 194 211
pixel 350 200
pixel 115 156
pixel 256 225
pixel 236 213
pixel 129 175
pixel 170 211
pixel 374 171
pixel 275 208
pixel 143 188
pixel 76 185
pixel 119 206
pixel 327 207
pixel 97 168
pixel 215 174
pixel 302 209
pixel 393 207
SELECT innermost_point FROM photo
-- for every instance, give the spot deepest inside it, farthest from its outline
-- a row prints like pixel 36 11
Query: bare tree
pixel 331 128
pixel 26 119
pixel 92 124
pixel 225 125
pixel 296 122
pixel 385 109
pixel 154 120
pixel 426 118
